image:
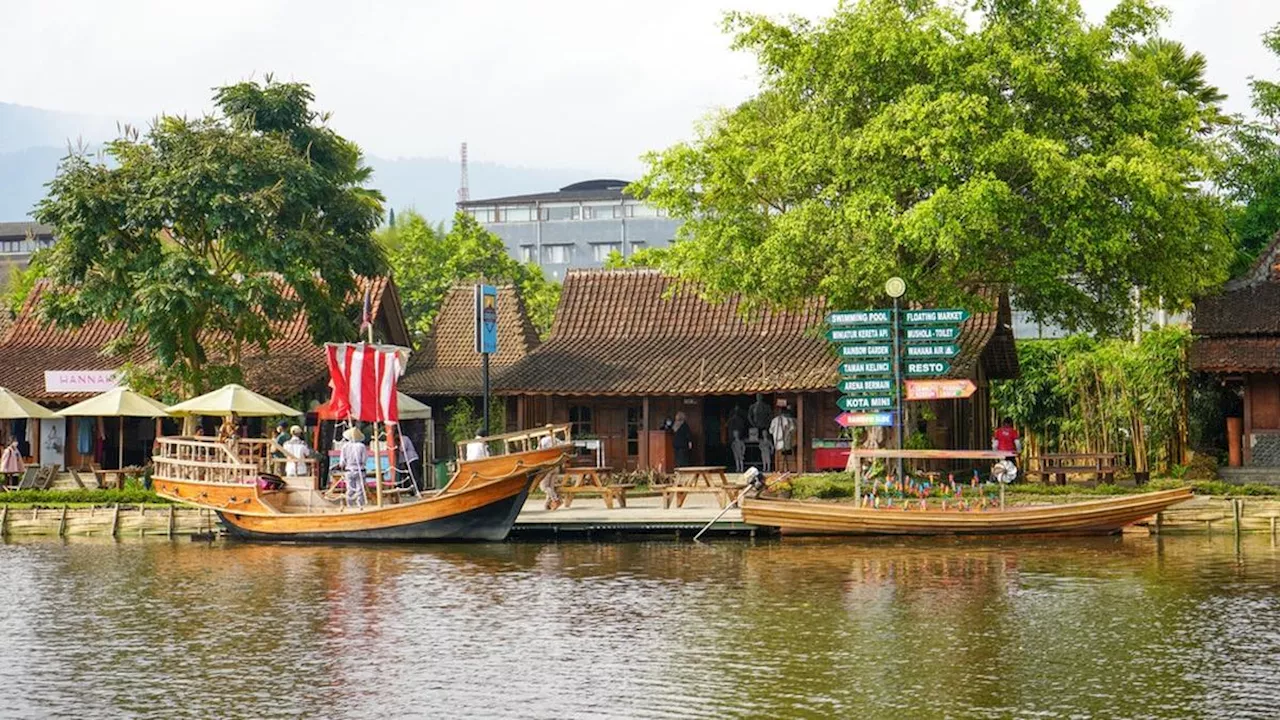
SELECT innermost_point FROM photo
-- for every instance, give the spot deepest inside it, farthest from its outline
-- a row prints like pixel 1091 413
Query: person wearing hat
pixel 352 458
pixel 298 451
pixel 281 437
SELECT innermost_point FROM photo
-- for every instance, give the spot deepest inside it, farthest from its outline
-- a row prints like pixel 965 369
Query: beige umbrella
pixel 120 402
pixel 230 399
pixel 411 409
pixel 13 407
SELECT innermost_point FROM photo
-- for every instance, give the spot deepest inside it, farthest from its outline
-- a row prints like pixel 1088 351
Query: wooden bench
pixel 1059 465
pixel 678 493
pixel 611 493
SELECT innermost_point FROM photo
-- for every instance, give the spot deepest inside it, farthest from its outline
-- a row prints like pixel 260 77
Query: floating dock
pixel 588 518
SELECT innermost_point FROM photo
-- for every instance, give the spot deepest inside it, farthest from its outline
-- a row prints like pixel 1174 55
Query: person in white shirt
pixel 548 484
pixel 476 449
pixel 298 451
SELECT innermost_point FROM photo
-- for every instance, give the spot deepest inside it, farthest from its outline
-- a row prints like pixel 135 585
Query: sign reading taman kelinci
pixel 868 367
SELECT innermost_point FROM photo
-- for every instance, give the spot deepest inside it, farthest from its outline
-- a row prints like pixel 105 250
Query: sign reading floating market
pixel 950 316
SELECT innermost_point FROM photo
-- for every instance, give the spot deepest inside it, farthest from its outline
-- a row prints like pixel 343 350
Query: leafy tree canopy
pixel 1252 177
pixel 1023 147
pixel 201 232
pixel 426 261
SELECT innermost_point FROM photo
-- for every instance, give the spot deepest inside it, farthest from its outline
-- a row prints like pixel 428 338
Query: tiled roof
pixel 1236 354
pixel 19 230
pixel 632 332
pixel 447 363
pixel 291 364
pixel 1238 330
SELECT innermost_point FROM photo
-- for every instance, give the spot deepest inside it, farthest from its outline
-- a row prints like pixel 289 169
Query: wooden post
pixel 62 522
pixel 120 453
pixel 169 534
pixel 802 450
pixel 644 433
pixel 115 519
pixel 1159 522
pixel 1237 510
pixel 4 521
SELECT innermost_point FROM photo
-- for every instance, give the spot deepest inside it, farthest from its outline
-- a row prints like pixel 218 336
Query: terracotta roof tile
pixel 447 363
pixel 291 364
pixel 1250 310
pixel 1235 354
pixel 632 332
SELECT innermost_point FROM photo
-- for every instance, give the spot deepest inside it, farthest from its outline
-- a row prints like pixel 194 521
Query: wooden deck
pixel 643 516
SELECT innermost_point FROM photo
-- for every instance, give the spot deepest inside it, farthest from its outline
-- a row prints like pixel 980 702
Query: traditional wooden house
pixel 630 348
pixel 1238 339
pixel 447 367
pixel 58 367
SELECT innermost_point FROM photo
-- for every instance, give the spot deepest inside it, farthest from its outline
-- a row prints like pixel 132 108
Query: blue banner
pixel 486 319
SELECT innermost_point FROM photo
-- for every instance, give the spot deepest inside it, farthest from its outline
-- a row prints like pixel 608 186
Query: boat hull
pixel 480 503
pixel 1095 517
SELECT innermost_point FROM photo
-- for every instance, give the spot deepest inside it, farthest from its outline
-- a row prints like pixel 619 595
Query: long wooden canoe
pixel 1093 517
pixel 480 502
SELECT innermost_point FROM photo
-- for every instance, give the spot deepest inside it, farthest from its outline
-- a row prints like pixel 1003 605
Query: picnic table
pixel 1060 465
pixel 710 479
pixel 580 480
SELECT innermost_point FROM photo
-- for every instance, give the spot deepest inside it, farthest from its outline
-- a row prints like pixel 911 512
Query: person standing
pixel 353 457
pixel 11 462
pixel 548 484
pixel 682 441
pixel 298 451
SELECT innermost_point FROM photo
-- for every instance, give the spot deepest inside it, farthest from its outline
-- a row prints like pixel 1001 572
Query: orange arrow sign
pixel 939 389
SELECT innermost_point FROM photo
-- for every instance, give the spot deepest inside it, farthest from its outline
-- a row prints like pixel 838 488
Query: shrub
pixel 128 496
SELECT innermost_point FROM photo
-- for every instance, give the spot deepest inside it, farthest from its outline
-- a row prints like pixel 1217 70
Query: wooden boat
pixel 480 501
pixel 1093 517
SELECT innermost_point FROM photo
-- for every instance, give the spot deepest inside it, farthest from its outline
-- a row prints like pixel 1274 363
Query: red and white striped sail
pixel 364 378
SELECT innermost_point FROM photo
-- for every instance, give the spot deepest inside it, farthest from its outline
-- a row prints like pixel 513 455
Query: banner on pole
pixel 486 319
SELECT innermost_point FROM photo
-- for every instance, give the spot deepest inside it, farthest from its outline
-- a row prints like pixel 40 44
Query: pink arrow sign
pixel 939 389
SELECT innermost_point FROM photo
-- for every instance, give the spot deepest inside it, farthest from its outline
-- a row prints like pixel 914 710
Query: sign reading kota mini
pixel 80 380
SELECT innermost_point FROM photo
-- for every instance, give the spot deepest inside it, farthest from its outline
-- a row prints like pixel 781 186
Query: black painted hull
pixel 491 523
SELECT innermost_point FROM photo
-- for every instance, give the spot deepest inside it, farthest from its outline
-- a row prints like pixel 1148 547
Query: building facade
pixel 18 240
pixel 577 226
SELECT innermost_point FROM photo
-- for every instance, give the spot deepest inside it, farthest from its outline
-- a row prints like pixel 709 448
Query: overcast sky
pixel 560 83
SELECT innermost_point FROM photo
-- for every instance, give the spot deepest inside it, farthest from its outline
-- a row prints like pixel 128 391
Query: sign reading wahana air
pixel 949 350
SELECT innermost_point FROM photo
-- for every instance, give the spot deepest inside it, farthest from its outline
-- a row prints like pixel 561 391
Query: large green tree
pixel 1021 147
pixel 200 233
pixel 1252 178
pixel 427 260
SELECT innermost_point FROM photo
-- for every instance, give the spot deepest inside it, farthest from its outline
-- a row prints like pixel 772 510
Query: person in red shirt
pixel 1005 438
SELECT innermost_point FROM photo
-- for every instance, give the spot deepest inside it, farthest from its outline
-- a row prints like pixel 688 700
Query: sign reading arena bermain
pixel 86 381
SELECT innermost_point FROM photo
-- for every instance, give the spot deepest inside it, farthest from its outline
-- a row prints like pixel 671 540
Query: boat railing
pixel 207 460
pixel 519 441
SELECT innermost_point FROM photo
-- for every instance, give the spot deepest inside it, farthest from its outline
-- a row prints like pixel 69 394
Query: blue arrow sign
pixel 860 317
pixel 917 352
pixel 933 333
pixel 860 334
pixel 869 367
pixel 866 402
pixel 865 351
pixel 945 316
pixel 863 386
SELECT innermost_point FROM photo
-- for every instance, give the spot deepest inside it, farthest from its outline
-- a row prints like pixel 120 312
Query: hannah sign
pixel 80 380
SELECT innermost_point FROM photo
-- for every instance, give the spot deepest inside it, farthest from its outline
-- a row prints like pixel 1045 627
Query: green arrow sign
pixel 916 352
pixel 873 367
pixel 935 317
pixel 860 334
pixel 865 351
pixel 934 333
pixel 863 386
pixel 866 402
pixel 860 317
pixel 927 367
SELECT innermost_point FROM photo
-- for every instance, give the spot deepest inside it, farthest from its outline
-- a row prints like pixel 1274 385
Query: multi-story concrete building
pixel 577 226
pixel 17 241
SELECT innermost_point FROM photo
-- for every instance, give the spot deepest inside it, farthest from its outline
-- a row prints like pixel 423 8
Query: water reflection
pixel 1133 627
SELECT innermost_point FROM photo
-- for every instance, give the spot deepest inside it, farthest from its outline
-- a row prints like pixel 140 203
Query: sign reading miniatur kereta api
pixel 874 346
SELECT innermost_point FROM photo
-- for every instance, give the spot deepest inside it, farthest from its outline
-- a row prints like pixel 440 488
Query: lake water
pixel 1180 627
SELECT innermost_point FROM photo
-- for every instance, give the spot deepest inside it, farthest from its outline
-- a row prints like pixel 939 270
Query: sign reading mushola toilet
pixel 87 381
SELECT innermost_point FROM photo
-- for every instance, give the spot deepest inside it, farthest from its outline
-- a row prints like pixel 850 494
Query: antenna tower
pixel 464 189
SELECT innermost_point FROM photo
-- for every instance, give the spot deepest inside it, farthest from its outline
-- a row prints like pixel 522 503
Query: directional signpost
pixel 877 347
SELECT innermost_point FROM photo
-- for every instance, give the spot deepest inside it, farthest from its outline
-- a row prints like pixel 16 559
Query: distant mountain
pixel 32 141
